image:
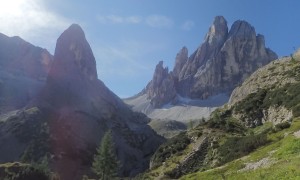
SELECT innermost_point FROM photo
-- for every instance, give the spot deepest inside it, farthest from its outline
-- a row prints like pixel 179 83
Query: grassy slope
pixel 283 153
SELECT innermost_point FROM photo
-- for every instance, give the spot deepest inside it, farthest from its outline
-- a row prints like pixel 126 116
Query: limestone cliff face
pixel 223 61
pixel 180 61
pixel 161 89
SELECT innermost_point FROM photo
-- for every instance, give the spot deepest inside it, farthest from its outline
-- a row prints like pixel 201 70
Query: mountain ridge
pixel 223 61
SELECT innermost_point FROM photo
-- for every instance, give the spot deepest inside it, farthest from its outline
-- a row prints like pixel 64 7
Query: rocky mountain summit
pixel 23 72
pixel 67 120
pixel 223 61
pixel 252 135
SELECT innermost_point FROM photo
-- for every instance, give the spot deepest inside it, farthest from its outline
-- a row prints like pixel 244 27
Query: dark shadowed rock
pixel 23 71
pixel 77 109
pixel 22 58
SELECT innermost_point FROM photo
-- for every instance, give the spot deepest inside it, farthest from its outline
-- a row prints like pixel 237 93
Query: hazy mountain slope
pixel 23 71
pixel 67 120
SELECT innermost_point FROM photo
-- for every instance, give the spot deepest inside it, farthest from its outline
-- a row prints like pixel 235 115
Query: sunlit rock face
pixel 161 89
pixel 222 62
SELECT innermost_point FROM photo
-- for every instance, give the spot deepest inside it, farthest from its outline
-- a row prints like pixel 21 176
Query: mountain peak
pixel 218 30
pixel 181 59
pixel 75 97
pixel 222 61
pixel 73 58
pixel 219 20
pixel 242 28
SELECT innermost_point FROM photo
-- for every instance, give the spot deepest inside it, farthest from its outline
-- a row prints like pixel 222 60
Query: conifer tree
pixel 105 163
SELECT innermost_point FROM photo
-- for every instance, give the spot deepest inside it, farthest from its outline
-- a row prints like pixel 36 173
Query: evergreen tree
pixel 105 163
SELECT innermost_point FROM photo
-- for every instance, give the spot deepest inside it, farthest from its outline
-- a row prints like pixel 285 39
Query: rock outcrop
pixel 75 109
pixel 270 94
pixel 161 89
pixel 180 61
pixel 23 72
pixel 222 62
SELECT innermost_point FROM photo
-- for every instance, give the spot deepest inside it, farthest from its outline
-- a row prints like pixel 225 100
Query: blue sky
pixel 129 37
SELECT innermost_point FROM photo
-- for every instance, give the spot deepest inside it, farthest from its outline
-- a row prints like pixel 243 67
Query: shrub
pixel 174 146
pixel 236 147
pixel 283 125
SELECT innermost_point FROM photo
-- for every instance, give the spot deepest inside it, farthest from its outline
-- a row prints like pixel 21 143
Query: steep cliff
pixel 222 62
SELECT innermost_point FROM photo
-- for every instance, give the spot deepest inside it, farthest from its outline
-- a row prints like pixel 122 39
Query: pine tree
pixel 105 163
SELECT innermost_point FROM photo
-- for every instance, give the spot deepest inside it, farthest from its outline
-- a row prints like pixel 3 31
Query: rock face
pixel 88 108
pixel 223 61
pixel 161 89
pixel 181 59
pixel 75 108
pixel 23 72
pixel 23 58
pixel 269 94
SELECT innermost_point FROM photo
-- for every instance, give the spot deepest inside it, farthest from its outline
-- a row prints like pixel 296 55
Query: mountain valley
pixel 229 110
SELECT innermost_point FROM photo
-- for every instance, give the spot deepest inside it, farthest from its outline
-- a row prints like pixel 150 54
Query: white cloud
pixel 159 21
pixel 188 25
pixel 115 19
pixel 156 21
pixel 134 19
pixel 30 20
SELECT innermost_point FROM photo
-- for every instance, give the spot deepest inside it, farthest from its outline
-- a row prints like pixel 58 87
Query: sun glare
pixel 11 7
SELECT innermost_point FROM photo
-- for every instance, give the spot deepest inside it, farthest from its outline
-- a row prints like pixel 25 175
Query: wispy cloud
pixel 159 21
pixel 114 19
pixel 125 58
pixel 30 20
pixel 188 25
pixel 155 21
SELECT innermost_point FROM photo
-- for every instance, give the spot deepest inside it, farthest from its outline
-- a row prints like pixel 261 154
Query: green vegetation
pixel 222 119
pixel 281 156
pixel 167 128
pixel 287 96
pixel 105 164
pixel 236 147
pixel 225 140
pixel 21 171
pixel 172 147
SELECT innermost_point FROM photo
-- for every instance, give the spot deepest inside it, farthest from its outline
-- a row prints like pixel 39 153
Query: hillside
pixel 66 120
pixel 248 138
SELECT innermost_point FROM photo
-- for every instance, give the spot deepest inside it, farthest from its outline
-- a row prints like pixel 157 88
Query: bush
pixel 174 146
pixel 223 120
pixel 281 126
pixel 18 171
pixel 236 147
